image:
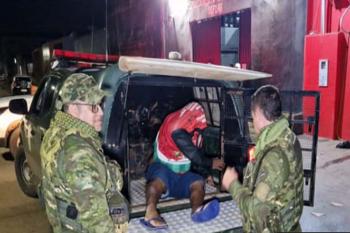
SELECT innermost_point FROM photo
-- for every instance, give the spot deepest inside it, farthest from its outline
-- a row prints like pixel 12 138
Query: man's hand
pixel 218 164
pixel 210 181
pixel 229 176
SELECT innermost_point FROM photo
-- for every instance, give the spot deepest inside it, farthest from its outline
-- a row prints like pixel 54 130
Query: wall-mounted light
pixel 178 8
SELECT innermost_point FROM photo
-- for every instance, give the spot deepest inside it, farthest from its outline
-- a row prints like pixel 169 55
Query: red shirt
pixel 189 118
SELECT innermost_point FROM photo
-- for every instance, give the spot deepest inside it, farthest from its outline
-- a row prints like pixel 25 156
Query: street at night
pixel 174 116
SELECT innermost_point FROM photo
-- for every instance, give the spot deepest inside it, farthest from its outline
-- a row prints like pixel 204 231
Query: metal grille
pixel 138 192
pixel 180 221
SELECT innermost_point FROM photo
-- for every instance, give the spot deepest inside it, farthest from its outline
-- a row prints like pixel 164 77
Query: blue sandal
pixel 149 225
pixel 207 212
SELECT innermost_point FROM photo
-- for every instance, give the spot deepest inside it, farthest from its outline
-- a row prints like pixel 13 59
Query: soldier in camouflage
pixel 80 186
pixel 271 196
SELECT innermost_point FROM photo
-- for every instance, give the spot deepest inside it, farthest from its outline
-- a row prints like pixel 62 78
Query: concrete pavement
pixel 18 213
pixel 331 212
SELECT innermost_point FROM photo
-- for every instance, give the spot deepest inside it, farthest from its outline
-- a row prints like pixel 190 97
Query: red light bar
pixel 91 57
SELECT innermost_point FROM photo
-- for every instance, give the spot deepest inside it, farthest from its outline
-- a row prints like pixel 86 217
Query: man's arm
pixel 86 177
pixel 183 141
pixel 274 171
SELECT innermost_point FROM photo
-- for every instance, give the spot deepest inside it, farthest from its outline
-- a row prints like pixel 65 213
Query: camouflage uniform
pixel 271 197
pixel 79 185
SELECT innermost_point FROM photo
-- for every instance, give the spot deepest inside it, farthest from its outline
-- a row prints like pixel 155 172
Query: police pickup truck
pixel 142 92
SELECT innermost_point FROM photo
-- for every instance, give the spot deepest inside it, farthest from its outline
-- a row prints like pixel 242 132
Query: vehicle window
pixel 45 96
pixel 35 107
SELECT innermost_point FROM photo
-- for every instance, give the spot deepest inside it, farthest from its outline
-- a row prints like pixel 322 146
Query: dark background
pixel 26 24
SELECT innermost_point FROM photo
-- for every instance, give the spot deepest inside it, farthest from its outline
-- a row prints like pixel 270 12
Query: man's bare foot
pixel 154 222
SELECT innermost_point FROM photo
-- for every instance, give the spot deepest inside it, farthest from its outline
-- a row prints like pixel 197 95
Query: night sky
pixel 26 24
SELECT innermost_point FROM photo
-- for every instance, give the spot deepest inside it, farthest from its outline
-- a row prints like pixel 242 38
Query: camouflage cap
pixel 80 87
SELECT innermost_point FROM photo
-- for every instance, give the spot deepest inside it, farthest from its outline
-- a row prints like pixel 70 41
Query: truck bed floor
pixel 180 220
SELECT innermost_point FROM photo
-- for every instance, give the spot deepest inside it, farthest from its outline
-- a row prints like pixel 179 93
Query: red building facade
pixel 331 46
pixel 271 33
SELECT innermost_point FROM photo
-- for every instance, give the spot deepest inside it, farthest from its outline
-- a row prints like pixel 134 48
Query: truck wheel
pixel 24 174
pixel 14 140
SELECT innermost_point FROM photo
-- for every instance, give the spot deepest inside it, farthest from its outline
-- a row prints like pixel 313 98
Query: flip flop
pixel 149 225
pixel 207 212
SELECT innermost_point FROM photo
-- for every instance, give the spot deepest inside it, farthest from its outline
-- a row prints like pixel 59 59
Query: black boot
pixel 343 145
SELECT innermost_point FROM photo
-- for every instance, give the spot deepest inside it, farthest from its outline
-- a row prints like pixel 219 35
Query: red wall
pixel 345 125
pixel 204 34
pixel 208 33
pixel 331 46
pixel 334 10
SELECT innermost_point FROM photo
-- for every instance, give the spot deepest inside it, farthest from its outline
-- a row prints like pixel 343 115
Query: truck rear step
pixel 180 221
pixel 177 212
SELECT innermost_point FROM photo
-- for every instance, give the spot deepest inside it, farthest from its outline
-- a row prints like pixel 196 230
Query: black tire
pixel 23 174
pixel 13 141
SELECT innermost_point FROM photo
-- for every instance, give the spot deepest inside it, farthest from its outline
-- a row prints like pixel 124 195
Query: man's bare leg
pixel 154 191
pixel 197 195
pixel 202 213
